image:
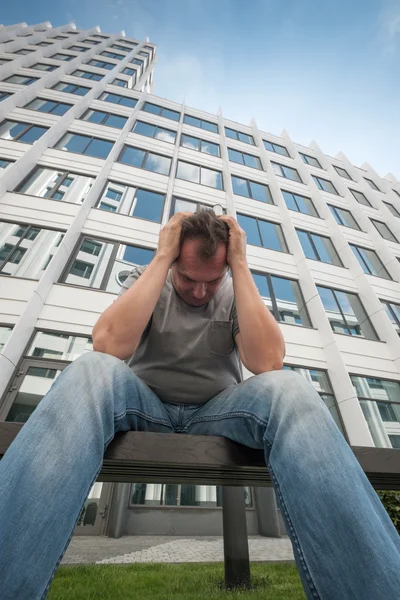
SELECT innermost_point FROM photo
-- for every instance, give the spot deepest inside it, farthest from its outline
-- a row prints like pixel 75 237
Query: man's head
pixel 201 265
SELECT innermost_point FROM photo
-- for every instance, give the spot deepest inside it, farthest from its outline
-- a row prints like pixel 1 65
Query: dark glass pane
pixel 209 126
pixel 138 256
pixel 289 301
pixel 132 156
pixel 144 129
pixel 251 161
pixel 272 236
pixel 187 141
pixel 99 148
pixel 240 186
pixel 148 205
pixel 250 227
pixel 209 148
pixel 247 139
pixel 260 192
pixel 170 114
pixel 192 121
pixel 95 116
pixel 262 284
pixel 231 133
pixel 306 245
pixel 131 102
pixel 235 156
pixel 152 108
pixel 289 199
pixel 326 250
pixel 73 142
pixel 60 109
pixel 305 205
pixel 33 134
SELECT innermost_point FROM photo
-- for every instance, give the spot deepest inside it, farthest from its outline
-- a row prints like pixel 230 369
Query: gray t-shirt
pixel 187 354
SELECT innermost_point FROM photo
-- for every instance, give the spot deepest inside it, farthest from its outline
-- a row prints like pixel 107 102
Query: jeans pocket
pixel 220 338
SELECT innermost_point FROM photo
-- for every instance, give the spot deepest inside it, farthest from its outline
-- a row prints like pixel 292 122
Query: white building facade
pixel 92 165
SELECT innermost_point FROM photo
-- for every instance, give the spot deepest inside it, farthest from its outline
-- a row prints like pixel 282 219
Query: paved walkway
pixel 140 549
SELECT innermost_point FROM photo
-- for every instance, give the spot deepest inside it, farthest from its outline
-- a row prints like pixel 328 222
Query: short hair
pixel 205 226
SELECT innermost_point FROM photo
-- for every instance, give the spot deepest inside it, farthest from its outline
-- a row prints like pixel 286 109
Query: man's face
pixel 197 281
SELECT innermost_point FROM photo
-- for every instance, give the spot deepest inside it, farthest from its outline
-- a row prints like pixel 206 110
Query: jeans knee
pixel 289 386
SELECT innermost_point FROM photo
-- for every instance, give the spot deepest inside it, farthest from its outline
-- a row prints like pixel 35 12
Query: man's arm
pixel 260 341
pixel 120 327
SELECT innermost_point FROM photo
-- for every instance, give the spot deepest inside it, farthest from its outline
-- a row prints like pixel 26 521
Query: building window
pixel 101 64
pixel 299 203
pixel 239 136
pixel 132 201
pixel 344 217
pixel 361 198
pixel 93 42
pixel 21 132
pixel 283 297
pixel 277 148
pixel 370 261
pixel 286 172
pixel 44 67
pixel 393 312
pixel 310 160
pixel 128 43
pixel 48 106
pixel 103 118
pixel 5 332
pixel 104 265
pixel 201 123
pixel 40 367
pixel 138 61
pixel 78 48
pixel 194 143
pixel 120 83
pixel 167 113
pixel 71 88
pixel 65 57
pixel 22 52
pixel 372 184
pixel 129 71
pixel 142 159
pixel 384 231
pixel 380 402
pixel 182 205
pixel 325 185
pixel 4 163
pixel 244 159
pixel 251 189
pixel 320 381
pixel 342 172
pixel 154 131
pixel 21 79
pixel 346 314
pixel 4 95
pixel 117 99
pixel 83 144
pixel 263 233
pixel 174 494
pixel 197 174
pixel 87 75
pixel 392 209
pixel 319 247
pixel 56 185
pixel 22 242
pixel 114 55
pixel 122 48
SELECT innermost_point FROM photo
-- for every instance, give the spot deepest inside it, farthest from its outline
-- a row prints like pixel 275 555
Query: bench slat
pixel 140 457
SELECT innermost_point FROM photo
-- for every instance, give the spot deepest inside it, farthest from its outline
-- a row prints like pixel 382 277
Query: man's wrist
pixel 239 265
pixel 163 257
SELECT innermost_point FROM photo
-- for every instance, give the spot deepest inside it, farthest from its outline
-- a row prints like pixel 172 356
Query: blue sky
pixel 324 71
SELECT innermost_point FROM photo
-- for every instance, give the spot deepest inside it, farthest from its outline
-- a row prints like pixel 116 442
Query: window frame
pixel 373 221
pixel 108 270
pixel 332 206
pixel 273 144
pixel 104 121
pixel 347 176
pixel 156 126
pixel 201 123
pixel 275 310
pixel 368 203
pixel 29 127
pixel 146 153
pixel 305 157
pixel 27 77
pixel 395 318
pixel 120 98
pixel 91 138
pixel 373 186
pixel 68 59
pixel 259 168
pixel 103 198
pixel 315 249
pixel 199 204
pixel 162 108
pixel 257 219
pixel 200 140
pixel 334 290
pixel 103 62
pixel 282 167
pixel 65 176
pixel 294 194
pixel 237 138
pixel 317 179
pixel 74 85
pixel 393 210
pixel 221 189
pixel 73 74
pixel 248 181
pixel 57 103
pixel 362 262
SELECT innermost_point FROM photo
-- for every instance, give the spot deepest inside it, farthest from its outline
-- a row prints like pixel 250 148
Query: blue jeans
pixel 345 545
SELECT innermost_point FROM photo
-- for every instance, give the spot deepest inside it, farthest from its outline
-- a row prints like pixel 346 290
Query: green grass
pixel 194 581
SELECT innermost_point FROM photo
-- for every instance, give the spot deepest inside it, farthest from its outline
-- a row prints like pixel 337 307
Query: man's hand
pixel 237 241
pixel 170 236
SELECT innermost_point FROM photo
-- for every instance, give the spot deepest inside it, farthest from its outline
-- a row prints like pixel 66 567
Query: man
pixel 185 322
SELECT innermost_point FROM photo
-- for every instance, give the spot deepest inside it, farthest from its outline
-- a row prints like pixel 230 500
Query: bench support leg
pixel 236 547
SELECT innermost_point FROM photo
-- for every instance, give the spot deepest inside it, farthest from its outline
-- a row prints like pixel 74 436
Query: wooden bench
pixel 204 460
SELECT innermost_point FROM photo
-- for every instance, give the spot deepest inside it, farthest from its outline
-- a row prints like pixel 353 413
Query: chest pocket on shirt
pixel 220 338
